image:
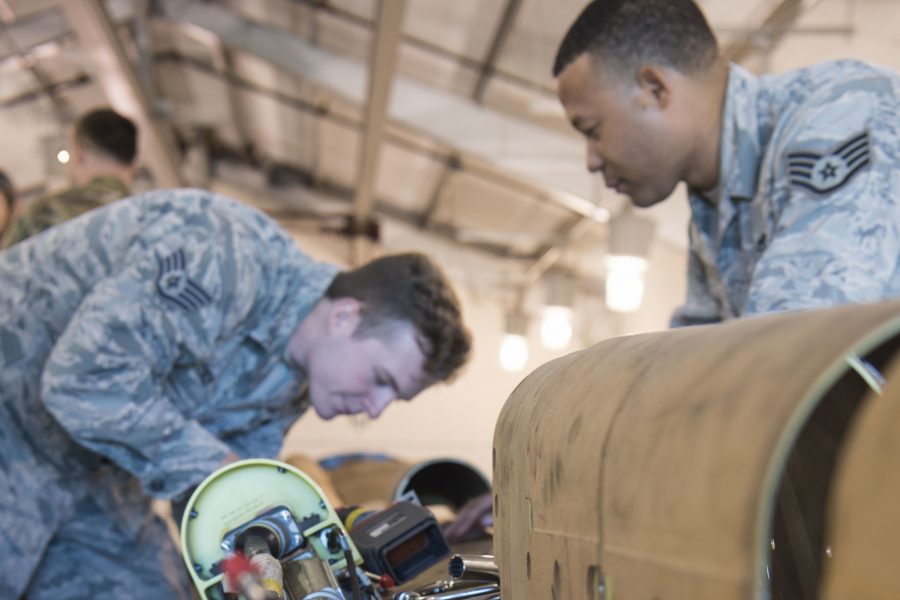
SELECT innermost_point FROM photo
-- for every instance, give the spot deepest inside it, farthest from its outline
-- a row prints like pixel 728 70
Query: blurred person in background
pixel 102 163
pixel 8 206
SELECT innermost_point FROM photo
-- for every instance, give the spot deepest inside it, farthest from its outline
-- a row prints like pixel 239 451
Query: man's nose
pixel 377 402
pixel 594 160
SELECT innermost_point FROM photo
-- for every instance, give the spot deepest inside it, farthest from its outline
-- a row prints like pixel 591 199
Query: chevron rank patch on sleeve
pixel 824 173
pixel 174 284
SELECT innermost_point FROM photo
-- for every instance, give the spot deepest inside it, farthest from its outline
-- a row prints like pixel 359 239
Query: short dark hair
pixel 629 33
pixel 106 131
pixel 410 287
pixel 8 191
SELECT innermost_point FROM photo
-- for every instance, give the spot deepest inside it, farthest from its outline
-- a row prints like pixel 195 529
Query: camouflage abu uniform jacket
pixel 47 211
pixel 807 212
pixel 139 344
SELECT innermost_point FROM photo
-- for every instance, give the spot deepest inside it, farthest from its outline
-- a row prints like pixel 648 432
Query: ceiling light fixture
pixel 626 263
pixel 557 313
pixel 514 346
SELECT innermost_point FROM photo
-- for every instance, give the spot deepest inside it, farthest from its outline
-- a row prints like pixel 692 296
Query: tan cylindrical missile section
pixel 648 466
pixel 865 516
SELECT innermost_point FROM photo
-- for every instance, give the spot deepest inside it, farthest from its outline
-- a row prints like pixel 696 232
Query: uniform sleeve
pixel 700 307
pixel 836 240
pixel 266 439
pixel 105 380
pixel 37 217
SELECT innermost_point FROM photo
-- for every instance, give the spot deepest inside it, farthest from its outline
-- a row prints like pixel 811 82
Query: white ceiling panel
pixel 23 9
pixel 530 51
pixel 289 134
pixel 364 9
pixel 834 29
pixel 267 76
pixel 463 27
pixel 181 86
pixel 338 152
pixel 14 80
pixel 528 103
pixel 282 14
pixel 338 107
pixel 27 124
pixel 191 43
pixel 83 98
pixel 437 70
pixel 481 206
pixel 343 36
pixel 406 179
pixel 732 19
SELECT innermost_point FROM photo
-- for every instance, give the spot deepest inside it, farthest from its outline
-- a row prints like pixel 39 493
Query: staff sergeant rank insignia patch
pixel 174 284
pixel 825 173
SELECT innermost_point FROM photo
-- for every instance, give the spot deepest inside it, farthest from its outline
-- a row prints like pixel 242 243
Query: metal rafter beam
pixel 510 12
pixel 344 195
pixel 463 61
pixel 553 252
pixel 381 76
pixel 471 129
pixel 470 164
pixel 451 167
pixel 97 35
pixel 35 30
pixel 34 95
pixel 60 107
pixel 223 59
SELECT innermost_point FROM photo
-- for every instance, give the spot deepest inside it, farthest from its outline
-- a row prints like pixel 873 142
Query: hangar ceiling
pixel 352 115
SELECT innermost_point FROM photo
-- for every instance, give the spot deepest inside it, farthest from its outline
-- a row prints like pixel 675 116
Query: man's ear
pixel 85 151
pixel 655 84
pixel 344 315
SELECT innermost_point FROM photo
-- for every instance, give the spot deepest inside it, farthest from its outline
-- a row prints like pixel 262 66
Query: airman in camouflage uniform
pixel 794 179
pixel 102 161
pixel 48 211
pixel 141 345
pixel 807 213
pixel 153 332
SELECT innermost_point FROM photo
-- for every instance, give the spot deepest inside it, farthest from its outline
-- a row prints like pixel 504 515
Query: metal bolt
pixel 226 545
pixel 193 514
pixel 198 568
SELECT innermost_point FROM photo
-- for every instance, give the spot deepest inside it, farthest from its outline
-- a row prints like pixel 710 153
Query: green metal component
pixel 235 495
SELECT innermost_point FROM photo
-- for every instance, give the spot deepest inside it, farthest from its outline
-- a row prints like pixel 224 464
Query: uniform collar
pixel 741 148
pixel 110 182
pixel 306 286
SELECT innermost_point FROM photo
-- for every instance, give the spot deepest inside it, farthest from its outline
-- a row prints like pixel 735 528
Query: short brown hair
pixel 106 131
pixel 409 287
